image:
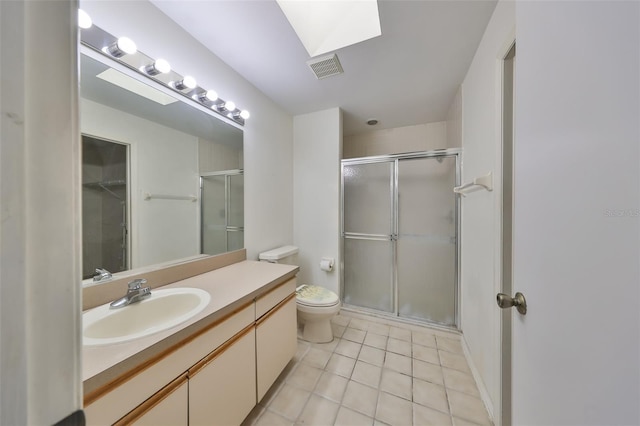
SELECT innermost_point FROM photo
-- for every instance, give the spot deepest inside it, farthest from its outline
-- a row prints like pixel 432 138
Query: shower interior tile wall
pixel 375 372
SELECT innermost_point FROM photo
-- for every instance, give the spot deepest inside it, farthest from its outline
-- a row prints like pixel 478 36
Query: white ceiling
pixel 407 76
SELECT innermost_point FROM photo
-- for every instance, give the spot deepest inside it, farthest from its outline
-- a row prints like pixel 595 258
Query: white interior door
pixel 576 357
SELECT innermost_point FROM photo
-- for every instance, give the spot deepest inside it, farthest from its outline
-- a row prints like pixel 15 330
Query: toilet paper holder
pixel 326 264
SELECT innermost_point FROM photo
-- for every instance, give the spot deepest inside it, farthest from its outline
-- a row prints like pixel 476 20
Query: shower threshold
pixel 390 316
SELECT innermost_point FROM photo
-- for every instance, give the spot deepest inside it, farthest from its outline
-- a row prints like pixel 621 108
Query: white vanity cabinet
pixel 276 338
pixel 213 375
pixel 169 407
pixel 222 388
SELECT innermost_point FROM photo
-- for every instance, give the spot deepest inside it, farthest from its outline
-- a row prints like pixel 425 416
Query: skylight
pixel 327 25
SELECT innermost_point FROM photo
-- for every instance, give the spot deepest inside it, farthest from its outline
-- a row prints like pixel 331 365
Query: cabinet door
pixel 168 407
pixel 222 388
pixel 276 343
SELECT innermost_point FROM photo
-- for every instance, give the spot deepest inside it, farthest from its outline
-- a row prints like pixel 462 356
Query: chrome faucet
pixel 135 293
pixel 102 275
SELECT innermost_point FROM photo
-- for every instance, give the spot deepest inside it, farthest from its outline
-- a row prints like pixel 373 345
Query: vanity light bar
pixel 124 51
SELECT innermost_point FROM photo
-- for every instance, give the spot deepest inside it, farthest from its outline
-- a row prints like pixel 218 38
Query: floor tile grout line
pixel 345 392
pixel 446 393
pixel 439 349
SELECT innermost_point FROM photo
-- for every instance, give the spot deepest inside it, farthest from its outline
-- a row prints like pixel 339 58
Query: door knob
pixel 504 301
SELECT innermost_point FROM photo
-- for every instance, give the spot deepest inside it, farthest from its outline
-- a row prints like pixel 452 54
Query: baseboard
pixel 482 388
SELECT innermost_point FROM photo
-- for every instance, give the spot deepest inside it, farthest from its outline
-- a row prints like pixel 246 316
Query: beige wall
pixel 421 137
pixel 216 157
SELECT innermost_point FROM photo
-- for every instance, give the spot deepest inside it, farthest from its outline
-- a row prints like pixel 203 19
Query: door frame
pixel 395 158
pixel 502 406
pixel 130 182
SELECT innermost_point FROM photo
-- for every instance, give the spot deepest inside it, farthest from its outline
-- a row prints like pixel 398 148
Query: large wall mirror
pixel 162 180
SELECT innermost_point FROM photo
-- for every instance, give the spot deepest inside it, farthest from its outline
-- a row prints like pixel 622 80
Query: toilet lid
pixel 313 295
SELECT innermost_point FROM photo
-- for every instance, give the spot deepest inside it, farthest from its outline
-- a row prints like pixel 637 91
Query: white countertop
pixel 229 287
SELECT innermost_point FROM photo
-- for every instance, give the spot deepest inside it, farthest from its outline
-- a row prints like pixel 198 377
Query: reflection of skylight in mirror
pixel 135 86
pixel 325 26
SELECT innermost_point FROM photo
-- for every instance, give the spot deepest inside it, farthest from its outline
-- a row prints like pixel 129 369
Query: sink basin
pixel 164 309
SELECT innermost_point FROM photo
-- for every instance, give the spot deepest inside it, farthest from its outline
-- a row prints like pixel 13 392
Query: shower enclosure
pixel 222 215
pixel 399 235
pixel 105 240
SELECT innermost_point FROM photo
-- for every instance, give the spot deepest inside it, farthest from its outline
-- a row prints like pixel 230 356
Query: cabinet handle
pixel 156 399
pixel 218 351
pixel 275 309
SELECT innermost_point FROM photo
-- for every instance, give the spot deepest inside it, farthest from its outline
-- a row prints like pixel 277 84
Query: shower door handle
pixel 504 302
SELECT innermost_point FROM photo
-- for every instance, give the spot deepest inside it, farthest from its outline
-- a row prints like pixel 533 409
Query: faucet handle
pixel 101 275
pixel 137 284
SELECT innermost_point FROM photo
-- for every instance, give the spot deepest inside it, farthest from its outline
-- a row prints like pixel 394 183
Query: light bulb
pixel 84 20
pixel 159 66
pixel 187 82
pixel 244 114
pixel 229 105
pixel 211 95
pixel 124 46
pixel 127 45
pixel 162 66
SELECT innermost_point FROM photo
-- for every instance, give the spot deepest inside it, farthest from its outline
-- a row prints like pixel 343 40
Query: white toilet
pixel 316 305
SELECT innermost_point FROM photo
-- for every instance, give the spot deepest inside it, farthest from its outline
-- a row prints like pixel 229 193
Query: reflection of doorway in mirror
pixel 105 206
pixel 222 198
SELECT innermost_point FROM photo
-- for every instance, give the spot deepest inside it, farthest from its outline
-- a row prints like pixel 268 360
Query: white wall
pixel 163 161
pixel 40 229
pixel 480 233
pixel 454 121
pixel 576 356
pixel 317 149
pixel 421 137
pixel 268 153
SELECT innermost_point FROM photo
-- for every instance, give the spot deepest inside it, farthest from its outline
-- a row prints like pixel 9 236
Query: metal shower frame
pixel 393 189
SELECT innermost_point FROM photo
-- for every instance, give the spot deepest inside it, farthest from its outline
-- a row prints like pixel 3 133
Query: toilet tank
pixel 285 254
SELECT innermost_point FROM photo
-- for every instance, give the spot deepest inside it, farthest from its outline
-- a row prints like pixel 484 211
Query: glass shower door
pixel 400 224
pixel 426 246
pixel 368 235
pixel 235 222
pixel 213 215
pixel 222 214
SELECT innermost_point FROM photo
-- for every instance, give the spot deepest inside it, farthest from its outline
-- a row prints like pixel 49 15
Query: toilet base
pixel 317 331
pixel 315 322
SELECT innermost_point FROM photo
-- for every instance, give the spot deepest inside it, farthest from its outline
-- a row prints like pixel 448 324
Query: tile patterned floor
pixel 375 372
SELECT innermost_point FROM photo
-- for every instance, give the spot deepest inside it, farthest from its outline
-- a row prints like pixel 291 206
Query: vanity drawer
pixel 267 301
pixel 130 389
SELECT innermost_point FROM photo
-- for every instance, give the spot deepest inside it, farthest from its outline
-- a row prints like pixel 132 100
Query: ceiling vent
pixel 325 66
